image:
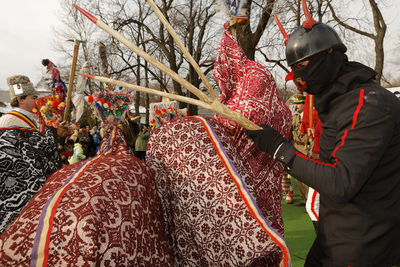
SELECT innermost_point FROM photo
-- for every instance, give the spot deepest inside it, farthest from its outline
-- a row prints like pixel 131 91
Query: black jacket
pixel 358 176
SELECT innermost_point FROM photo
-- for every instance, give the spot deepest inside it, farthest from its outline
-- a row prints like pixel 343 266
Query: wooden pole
pixel 183 48
pixel 71 80
pixel 217 107
pixel 146 56
pixel 311 112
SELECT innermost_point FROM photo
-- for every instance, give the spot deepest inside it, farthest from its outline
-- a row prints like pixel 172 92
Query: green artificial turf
pixel 299 230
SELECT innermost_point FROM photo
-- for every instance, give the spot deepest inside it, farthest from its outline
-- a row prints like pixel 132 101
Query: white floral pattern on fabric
pixel 110 216
pixel 207 222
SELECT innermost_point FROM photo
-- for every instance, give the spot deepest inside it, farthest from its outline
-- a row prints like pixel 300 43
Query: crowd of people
pixel 85 141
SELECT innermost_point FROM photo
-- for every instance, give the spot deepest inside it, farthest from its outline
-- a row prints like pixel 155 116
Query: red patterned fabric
pixel 206 219
pixel 249 88
pixel 207 222
pixel 110 216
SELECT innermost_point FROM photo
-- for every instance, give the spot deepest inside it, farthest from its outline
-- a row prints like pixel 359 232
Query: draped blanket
pixel 100 212
pixel 206 191
pixel 27 158
pixel 221 196
pixel 249 88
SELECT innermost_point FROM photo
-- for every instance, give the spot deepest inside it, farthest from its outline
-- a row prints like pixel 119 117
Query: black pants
pixel 314 256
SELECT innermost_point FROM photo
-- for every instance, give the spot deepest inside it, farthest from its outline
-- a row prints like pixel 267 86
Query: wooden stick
pixel 146 56
pixel 226 113
pixel 183 48
pixel 146 90
pixel 71 81
pixel 216 106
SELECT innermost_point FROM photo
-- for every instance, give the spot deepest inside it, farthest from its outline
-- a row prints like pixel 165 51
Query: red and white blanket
pixel 249 88
pixel 208 194
pixel 221 196
pixel 100 212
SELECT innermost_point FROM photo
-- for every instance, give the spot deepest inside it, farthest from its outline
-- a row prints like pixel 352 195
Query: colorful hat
pixel 109 106
pixel 20 85
pixel 163 112
pixel 50 110
pixel 299 99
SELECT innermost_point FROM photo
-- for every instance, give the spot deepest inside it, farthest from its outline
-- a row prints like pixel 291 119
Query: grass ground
pixel 299 231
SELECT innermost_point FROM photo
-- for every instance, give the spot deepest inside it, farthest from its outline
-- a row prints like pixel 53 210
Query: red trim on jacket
pixel 355 115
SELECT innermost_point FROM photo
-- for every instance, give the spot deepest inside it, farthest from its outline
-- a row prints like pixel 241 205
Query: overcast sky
pixel 26 35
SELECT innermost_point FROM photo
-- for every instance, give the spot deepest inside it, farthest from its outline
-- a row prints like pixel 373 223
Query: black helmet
pixel 304 43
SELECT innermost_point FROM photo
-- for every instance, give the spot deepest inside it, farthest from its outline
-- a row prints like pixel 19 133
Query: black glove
pixel 272 142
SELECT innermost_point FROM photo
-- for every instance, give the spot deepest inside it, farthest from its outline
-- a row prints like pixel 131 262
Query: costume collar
pixel 26 116
pixel 31 115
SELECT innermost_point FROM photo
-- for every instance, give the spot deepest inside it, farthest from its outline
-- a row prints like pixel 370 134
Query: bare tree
pixel 75 27
pixel 354 27
pixel 249 34
pixel 377 37
pixel 190 20
pixel 195 21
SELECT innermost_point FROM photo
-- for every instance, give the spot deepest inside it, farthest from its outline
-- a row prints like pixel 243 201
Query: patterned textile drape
pixel 103 211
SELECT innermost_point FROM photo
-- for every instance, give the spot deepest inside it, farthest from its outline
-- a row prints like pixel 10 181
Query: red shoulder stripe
pixel 355 115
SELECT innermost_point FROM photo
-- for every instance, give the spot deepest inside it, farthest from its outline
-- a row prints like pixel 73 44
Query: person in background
pixel 28 151
pixel 131 130
pixel 312 205
pixel 95 133
pixel 78 153
pixel 66 144
pixel 300 143
pixel 67 150
pixel 85 140
pixel 141 142
pixel 58 87
pixel 358 171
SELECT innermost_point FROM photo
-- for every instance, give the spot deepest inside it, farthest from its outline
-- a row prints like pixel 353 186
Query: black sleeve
pixel 365 127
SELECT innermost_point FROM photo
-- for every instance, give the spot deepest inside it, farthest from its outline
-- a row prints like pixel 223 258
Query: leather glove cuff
pixel 285 153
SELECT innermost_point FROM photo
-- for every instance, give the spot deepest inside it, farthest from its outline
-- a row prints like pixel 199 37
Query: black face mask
pixel 321 71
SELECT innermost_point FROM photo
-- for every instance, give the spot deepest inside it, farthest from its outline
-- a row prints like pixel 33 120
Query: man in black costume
pixel 358 173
